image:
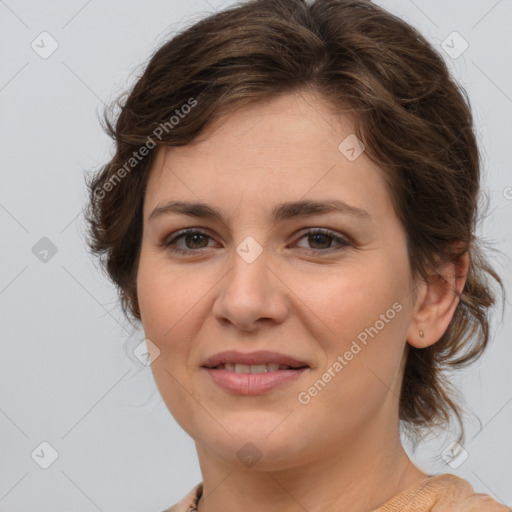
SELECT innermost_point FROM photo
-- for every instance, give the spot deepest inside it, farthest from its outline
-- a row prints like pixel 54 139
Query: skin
pixel 342 449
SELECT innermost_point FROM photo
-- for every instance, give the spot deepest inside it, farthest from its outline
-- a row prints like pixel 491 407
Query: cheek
pixel 167 301
pixel 174 304
pixel 166 295
pixel 343 304
pixel 358 315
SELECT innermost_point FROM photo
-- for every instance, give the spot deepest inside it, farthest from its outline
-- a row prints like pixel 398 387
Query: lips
pixel 254 373
pixel 262 357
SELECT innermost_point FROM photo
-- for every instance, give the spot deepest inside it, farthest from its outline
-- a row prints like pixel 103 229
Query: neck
pixel 359 475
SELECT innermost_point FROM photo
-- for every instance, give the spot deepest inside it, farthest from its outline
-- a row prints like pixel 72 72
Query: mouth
pixel 260 361
pixel 253 373
pixel 255 368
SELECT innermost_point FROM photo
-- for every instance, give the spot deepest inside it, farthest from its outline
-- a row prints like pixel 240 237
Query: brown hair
pixel 413 118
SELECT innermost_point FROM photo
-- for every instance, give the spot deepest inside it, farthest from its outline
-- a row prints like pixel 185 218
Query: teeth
pixel 258 368
pixel 242 368
pixel 253 368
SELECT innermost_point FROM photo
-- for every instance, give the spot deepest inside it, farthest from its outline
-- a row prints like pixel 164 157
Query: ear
pixel 436 302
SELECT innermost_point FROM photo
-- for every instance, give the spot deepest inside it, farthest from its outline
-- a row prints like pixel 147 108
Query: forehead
pixel 288 148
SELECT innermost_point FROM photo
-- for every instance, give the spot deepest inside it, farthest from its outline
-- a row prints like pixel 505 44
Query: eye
pixel 192 238
pixel 321 239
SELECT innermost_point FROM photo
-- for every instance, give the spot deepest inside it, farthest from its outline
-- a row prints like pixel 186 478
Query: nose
pixel 251 294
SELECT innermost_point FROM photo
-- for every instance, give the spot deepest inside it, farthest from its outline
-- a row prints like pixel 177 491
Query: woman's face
pixel 256 279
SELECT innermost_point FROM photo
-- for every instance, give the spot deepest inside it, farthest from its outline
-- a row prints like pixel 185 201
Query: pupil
pixel 321 236
pixel 194 238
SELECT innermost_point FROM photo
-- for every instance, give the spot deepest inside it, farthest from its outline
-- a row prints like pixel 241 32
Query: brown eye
pixel 192 240
pixel 320 240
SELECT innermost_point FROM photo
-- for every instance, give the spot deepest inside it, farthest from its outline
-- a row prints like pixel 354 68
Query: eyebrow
pixel 280 212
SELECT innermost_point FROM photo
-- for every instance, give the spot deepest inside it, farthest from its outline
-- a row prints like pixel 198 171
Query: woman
pixel 290 215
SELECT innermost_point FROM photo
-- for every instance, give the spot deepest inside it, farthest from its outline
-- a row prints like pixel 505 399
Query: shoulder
pixel 189 501
pixel 442 493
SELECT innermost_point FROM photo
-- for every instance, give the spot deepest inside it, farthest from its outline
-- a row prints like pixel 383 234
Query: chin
pixel 260 443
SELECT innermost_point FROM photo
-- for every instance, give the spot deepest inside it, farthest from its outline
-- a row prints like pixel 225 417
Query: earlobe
pixel 420 340
pixel 436 304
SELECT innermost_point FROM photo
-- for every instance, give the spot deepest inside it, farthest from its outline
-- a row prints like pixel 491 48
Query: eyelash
pixel 343 243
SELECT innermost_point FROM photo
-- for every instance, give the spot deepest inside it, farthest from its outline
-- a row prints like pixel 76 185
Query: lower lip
pixel 253 383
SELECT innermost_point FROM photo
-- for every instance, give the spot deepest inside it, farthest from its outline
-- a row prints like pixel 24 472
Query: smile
pixel 253 373
pixel 253 368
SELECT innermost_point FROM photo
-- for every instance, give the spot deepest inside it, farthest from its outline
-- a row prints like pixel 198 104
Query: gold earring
pixel 421 334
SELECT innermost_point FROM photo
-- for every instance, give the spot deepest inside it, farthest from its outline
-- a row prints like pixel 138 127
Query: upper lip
pixel 259 357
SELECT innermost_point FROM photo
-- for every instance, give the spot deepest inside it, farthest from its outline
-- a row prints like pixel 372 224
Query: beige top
pixel 441 493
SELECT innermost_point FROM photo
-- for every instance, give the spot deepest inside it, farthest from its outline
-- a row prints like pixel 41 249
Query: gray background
pixel 65 375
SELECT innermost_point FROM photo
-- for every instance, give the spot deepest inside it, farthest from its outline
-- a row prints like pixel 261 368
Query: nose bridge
pixel 248 279
pixel 249 292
